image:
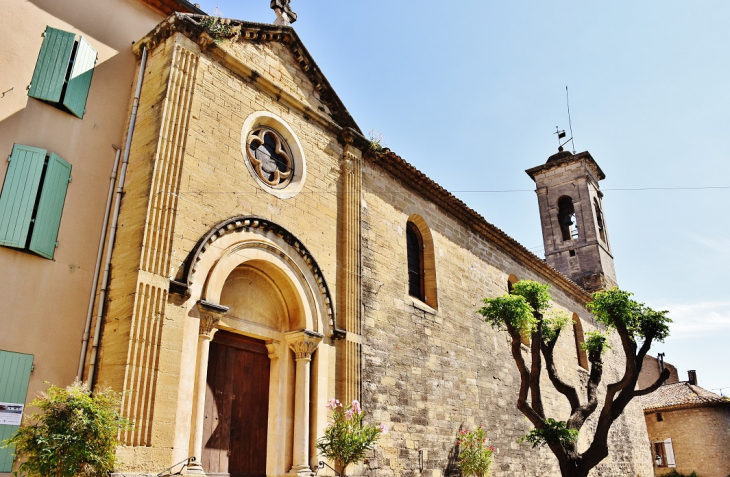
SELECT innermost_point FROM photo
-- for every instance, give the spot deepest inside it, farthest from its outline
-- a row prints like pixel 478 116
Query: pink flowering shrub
pixel 346 438
pixel 475 456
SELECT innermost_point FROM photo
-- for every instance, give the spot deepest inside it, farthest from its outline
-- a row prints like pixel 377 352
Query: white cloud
pixel 696 319
pixel 719 245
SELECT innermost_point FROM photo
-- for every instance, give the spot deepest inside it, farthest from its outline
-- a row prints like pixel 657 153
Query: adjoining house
pixel 689 429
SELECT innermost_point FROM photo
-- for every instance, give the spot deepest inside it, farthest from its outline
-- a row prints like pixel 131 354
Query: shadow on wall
pixel 452 464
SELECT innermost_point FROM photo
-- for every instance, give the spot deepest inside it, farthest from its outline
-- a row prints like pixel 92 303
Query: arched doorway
pixel 263 308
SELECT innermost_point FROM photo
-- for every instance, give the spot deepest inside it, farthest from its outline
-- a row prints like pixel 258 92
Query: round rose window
pixel 270 156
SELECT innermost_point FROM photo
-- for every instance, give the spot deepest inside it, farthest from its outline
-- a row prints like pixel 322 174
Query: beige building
pixel 268 258
pixel 59 126
pixel 689 429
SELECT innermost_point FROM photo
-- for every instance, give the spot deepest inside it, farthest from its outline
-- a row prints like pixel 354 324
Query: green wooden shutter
pixel 19 192
pixel 50 206
pixel 50 69
pixel 78 83
pixel 14 376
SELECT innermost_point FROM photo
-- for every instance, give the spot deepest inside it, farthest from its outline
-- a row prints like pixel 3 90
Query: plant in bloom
pixel 475 456
pixel 347 440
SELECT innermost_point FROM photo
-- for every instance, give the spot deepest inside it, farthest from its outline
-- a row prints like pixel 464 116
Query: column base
pixel 301 471
pixel 194 469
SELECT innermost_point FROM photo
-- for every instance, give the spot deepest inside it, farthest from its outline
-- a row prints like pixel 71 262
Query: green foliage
pixel 347 440
pixel 595 342
pixel 615 307
pixel 475 456
pixel 376 141
pixel 552 323
pixel 535 293
pixel 75 434
pixel 554 432
pixel 512 310
pixel 220 28
pixel 674 473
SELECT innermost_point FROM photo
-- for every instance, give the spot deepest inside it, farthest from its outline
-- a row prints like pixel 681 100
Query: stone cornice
pixel 189 25
pixel 425 186
pixel 568 158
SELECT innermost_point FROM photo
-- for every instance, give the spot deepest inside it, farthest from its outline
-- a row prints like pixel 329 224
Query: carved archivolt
pixel 255 225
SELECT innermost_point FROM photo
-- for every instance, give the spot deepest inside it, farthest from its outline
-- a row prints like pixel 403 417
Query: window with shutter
pixel 62 75
pixel 15 370
pixel 32 198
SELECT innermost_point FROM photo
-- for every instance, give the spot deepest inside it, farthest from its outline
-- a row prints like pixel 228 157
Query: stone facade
pixel 699 438
pixel 316 271
pixel 652 368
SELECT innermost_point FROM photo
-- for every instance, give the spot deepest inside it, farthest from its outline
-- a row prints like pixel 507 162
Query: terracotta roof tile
pixel 681 395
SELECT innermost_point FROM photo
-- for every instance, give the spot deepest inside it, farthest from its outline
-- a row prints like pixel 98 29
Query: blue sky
pixel 471 92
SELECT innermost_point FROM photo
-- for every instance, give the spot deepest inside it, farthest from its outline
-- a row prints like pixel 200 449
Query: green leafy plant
pixel 74 434
pixel 376 141
pixel 674 473
pixel 553 432
pixel 526 312
pixel 220 28
pixel 347 439
pixel 475 456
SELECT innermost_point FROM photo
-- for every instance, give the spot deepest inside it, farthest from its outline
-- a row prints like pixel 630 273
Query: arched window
pixel 578 333
pixel 599 220
pixel 567 219
pixel 510 283
pixel 421 261
pixel 415 262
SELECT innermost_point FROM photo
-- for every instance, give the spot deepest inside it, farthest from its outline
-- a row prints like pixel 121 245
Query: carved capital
pixel 303 343
pixel 210 316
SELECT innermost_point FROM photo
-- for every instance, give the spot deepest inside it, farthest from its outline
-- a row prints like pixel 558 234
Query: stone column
pixel 210 316
pixel 302 343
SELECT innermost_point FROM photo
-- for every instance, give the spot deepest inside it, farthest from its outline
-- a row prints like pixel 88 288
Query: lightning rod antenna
pixel 567 101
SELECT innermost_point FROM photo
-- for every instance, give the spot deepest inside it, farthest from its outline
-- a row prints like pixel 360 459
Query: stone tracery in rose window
pixel 270 157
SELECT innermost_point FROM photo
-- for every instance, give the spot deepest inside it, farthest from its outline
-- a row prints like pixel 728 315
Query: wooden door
pixel 236 407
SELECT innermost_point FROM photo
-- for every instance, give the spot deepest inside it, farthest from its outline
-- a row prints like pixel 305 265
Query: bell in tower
pixel 573 224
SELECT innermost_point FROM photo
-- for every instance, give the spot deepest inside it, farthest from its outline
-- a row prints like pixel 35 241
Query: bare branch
pixel 662 377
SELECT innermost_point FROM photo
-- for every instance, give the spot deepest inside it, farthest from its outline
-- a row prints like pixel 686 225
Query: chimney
pixel 692 377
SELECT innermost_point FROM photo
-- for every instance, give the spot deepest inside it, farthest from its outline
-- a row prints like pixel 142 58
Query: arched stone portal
pixel 257 283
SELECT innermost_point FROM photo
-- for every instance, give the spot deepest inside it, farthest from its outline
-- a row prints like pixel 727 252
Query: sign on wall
pixel 11 413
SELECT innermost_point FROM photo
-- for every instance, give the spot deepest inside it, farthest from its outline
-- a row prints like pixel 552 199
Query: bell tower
pixel 573 224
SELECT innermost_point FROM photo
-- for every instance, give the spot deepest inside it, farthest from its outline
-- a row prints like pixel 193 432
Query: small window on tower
pixel 567 219
pixel 599 219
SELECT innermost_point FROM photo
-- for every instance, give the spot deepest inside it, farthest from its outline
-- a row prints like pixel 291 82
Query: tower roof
pixel 563 158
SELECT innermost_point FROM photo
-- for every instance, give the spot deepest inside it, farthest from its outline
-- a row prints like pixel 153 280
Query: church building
pixel 269 257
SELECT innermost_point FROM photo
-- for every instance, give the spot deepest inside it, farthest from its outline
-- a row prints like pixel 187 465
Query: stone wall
pixel 699 438
pixel 430 372
pixel 650 372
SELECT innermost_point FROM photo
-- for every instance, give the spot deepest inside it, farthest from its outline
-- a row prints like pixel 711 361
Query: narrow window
pixel 599 220
pixel 579 340
pixel 659 417
pixel 32 198
pixel 567 219
pixel 63 71
pixel 415 262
